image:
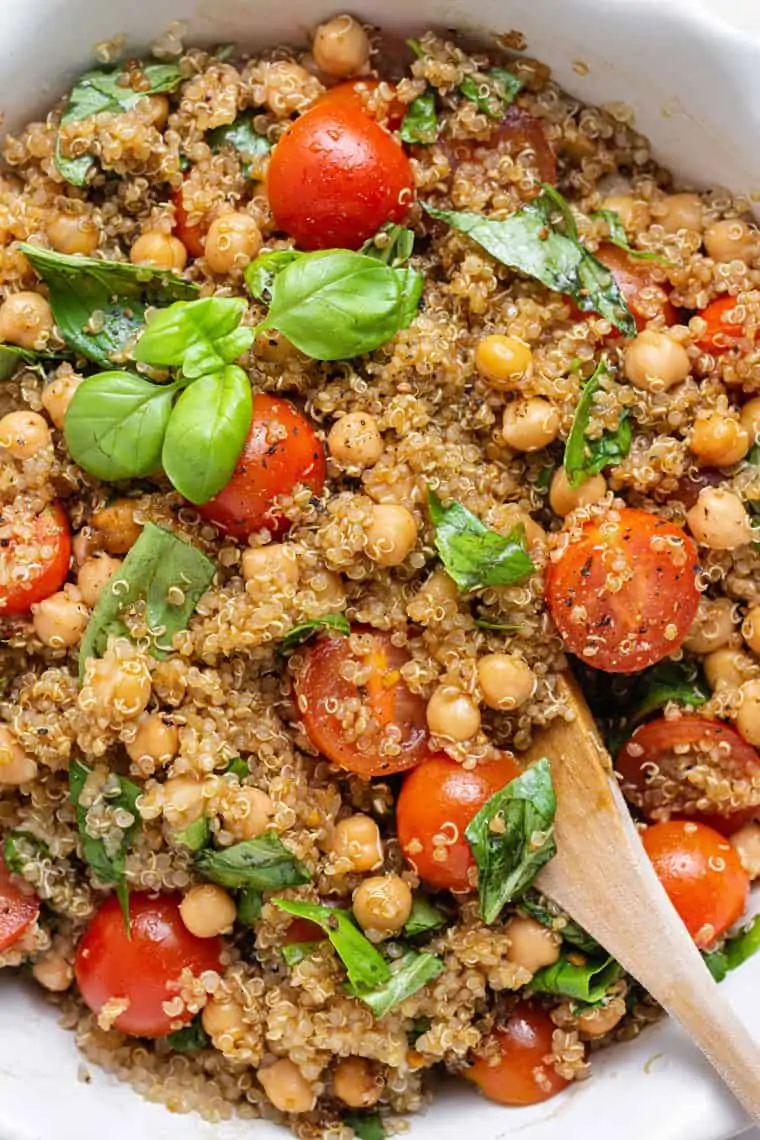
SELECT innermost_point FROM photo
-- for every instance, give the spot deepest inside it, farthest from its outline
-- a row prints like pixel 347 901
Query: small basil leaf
pixel 365 1125
pixel 300 633
pixel 617 236
pixel 423 918
pixel 295 952
pixel 190 1038
pixel 491 91
pixel 196 836
pixel 408 976
pixel 243 137
pixel 365 966
pixel 260 274
pixel 420 123
pixel 392 244
pixel 238 767
pixel 586 457
pixel 512 838
pixel 12 358
pixel 264 863
pixel 249 905
pixel 473 555
pixel 197 336
pixel 206 433
pixel 679 681
pixel 583 981
pixel 570 931
pixel 20 848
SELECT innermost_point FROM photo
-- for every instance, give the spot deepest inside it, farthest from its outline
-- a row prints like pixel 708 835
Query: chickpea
pixel 222 1018
pixel 120 688
pixel 679 212
pixel 357 839
pixel 272 346
pixel 84 545
pixel 746 841
pixel 626 208
pixel 719 440
pixel 57 395
pixel 154 740
pixel 287 1087
pixel 231 242
pixel 60 620
pixel 727 669
pixel 503 360
pixel 713 626
pixel 532 945
pixel 731 240
pixel 751 628
pixel 116 526
pixel 341 47
pixel 16 767
pixel 655 362
pixel 73 233
pixel 718 520
pixel 511 516
pixel 599 1020
pixel 506 681
pixel 391 534
pixel 26 320
pixel 452 713
pixel 530 424
pixel 162 251
pixel 154 109
pixel 748 716
pixel 750 419
pixel 275 564
pixel 23 434
pixel 382 903
pixel 94 575
pixel 254 810
pixel 355 1083
pixel 355 441
pixel 183 802
pixel 53 972
pixel 563 499
pixel 207 910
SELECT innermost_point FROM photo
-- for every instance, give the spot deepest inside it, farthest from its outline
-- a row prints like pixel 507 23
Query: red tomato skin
pixel 721 334
pixel 109 965
pixel 266 469
pixel 357 92
pixel 519 134
pixel 335 177
pixel 192 237
pixel 440 797
pixel 631 277
pixel 623 631
pixel 18 911
pixel 53 530
pixel 525 1041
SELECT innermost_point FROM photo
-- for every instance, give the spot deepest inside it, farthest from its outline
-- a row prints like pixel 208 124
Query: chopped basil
pixel 365 1125
pixel 512 838
pixel 420 123
pixel 617 236
pixel 300 633
pixel 260 274
pixel 498 626
pixel 162 573
pixel 583 981
pixel 196 836
pixel 12 358
pixel 264 863
pixel 392 244
pixel 585 457
pixel 238 767
pixel 423 918
pixel 735 950
pixel 20 848
pixel 200 337
pixel 472 554
pixel 569 930
pixel 249 905
pixel 190 1038
pixel 365 966
pixel 295 952
pixel 408 975
pixel 491 91
pixel 679 681
pixel 242 137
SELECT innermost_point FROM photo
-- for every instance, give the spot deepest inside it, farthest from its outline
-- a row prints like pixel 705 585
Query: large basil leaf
pixel 582 981
pixel 264 863
pixel 420 123
pixel 243 137
pixel 491 91
pixel 300 633
pixel 408 975
pixel 474 555
pixel 365 966
pixel 735 950
pixel 586 457
pixel 197 336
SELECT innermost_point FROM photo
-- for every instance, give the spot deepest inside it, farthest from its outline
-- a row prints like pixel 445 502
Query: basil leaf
pixel 162 573
pixel 206 433
pixel 116 423
pixel 264 863
pixel 411 284
pixel 300 633
pixel 716 963
pixel 260 273
pixel 365 966
pixel 190 1038
pixel 249 905
pixel 366 1125
pixel 238 767
pixel 243 137
pixel 617 236
pixel 99 306
pixel 472 554
pixel 408 975
pixel 420 123
pixel 532 241
pixel 679 681
pixel 395 245
pixel 586 457
pixel 12 358
pixel 512 838
pixel 196 836
pixel 583 981
pixel 423 918
pixel 20 848
pixel 295 952
pixel 483 623
pixel 571 932
pixel 492 91
pixel 200 337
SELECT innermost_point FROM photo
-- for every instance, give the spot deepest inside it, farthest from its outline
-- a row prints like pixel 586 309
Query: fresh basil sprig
pixel 679 681
pixel 264 863
pixel 585 457
pixel 420 123
pixel 408 975
pixel 582 981
pixel 617 236
pixel 472 554
pixel 300 633
pixel 424 918
pixel 491 91
pixel 366 1125
pixel 243 138
pixel 735 950
pixel 200 337
pixel 365 966
pixel 20 848
pixel 190 1038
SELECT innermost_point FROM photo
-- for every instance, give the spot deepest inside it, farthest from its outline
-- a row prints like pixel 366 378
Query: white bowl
pixel 691 70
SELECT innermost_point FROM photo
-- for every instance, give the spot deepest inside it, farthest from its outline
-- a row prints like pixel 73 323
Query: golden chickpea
pixel 207 910
pixel 530 424
pixel 16 767
pixel 355 441
pixel 727 669
pixel 26 320
pixel 60 620
pixel 154 109
pixel 599 1020
pixel 94 574
pixel 341 47
pixel 231 242
pixel 748 716
pixel 731 240
pixel 751 628
pixel 382 903
pixel 154 740
pixel 222 1018
pixel 713 626
pixel 183 802
pixel 655 362
pixel 287 1087
pixel 73 233
pixel 719 440
pixel 162 251
pixel 272 565
pixel 503 360
pixel 116 526
pixel 679 212
pixel 251 815
pixel 531 945
pixel 563 499
pixel 357 839
pixel 506 681
pixel 57 395
pixel 53 972
pixel 23 434
pixel 355 1082
pixel 626 208
pixel 272 346
pixel 746 841
pixel 391 534
pixel 452 713
pixel 120 688
pixel 750 419
pixel 718 520
pixel 511 516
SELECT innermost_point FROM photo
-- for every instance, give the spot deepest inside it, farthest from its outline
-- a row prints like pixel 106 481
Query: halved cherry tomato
pixel 336 176
pixel 623 593
pixel 722 334
pixel 391 725
pixel 522 1072
pixel 357 93
pixel 17 910
pixel 34 556
pixel 282 450
pixel 192 237
pixel 702 875
pixel 632 278
pixel 436 803
pixel 519 135
pixel 139 969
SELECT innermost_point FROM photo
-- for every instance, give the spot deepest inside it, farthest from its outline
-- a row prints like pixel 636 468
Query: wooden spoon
pixel 602 876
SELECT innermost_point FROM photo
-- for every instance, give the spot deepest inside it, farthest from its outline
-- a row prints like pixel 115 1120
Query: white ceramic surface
pixel 691 69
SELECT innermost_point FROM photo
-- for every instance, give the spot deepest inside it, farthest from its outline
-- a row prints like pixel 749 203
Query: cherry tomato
pixel 623 592
pixel 632 278
pixel 437 801
pixel 139 969
pixel 336 176
pixel 702 875
pixel 521 1074
pixel 358 93
pixel 18 910
pixel 281 451
pixel 34 556
pixel 519 135
pixel 395 734
pixel 722 334
pixel 192 237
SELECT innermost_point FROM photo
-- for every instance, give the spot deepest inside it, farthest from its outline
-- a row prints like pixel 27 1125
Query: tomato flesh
pixel 520 1073
pixel 34 556
pixel 702 874
pixel 632 278
pixel 282 450
pixel 18 911
pixel 193 237
pixel 393 731
pixel 436 803
pixel 519 135
pixel 623 593
pixel 139 969
pixel 722 334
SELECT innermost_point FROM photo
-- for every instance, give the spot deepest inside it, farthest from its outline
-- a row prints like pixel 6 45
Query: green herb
pixel 512 838
pixel 503 627
pixel 395 248
pixel 238 767
pixel 249 905
pixel 365 1125
pixel 570 932
pixel 584 982
pixel 408 976
pixel 420 123
pixel 585 457
pixel 200 337
pixel 472 554
pixel 163 574
pixel 99 306
pixel 544 479
pixel 196 836
pixel 242 137
pixel 21 847
pixel 190 1038
pixel 365 966
pixel 492 91
pixel 260 274
pixel 300 633
pixel 540 241
pixel 735 951
pixel 295 952
pixel 679 681
pixel 617 236
pixel 423 918
pixel 97 92
pixel 264 863
pixel 12 358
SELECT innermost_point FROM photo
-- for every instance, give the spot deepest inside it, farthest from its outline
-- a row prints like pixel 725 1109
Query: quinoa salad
pixel 353 393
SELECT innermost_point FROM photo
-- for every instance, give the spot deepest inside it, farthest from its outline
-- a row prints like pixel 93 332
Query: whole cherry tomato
pixel 519 1074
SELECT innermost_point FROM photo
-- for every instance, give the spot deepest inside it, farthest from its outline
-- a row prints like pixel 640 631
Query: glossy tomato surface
pixel 518 1073
pixel 18 909
pixel 722 333
pixel 139 969
pixel 623 592
pixel 34 556
pixel 645 294
pixel 282 451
